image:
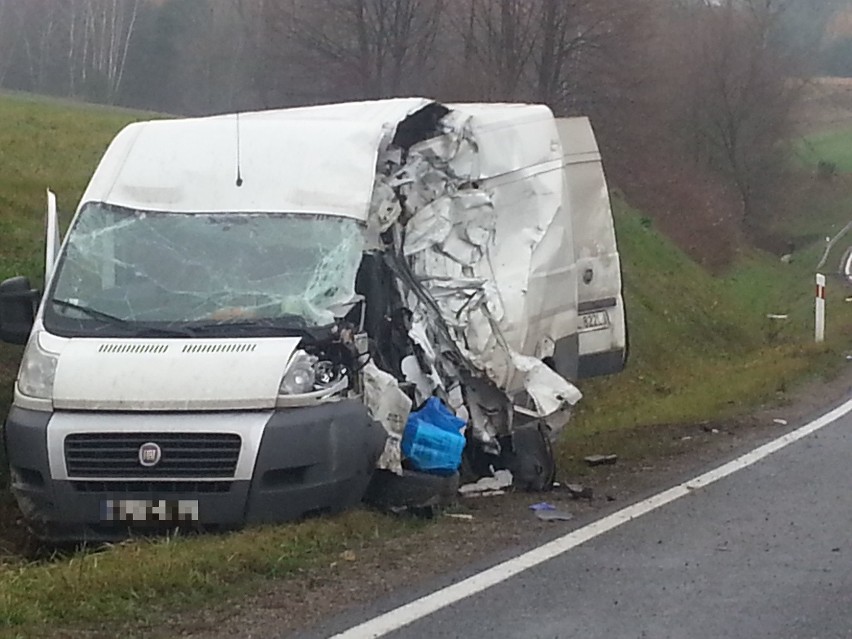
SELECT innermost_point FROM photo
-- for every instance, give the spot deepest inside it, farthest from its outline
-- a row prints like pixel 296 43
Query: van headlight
pixel 310 378
pixel 300 376
pixel 38 369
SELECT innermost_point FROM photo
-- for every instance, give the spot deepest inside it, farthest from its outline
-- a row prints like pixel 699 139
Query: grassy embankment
pixel 702 349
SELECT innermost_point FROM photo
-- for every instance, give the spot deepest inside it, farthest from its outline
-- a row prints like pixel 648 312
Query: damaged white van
pixel 247 310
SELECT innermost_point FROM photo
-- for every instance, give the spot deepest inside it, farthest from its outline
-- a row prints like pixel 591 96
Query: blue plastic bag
pixel 432 441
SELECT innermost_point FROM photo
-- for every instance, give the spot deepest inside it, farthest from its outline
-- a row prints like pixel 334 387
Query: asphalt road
pixel 763 552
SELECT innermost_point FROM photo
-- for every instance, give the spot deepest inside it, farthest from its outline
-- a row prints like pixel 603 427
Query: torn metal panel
pixel 549 391
pixel 483 233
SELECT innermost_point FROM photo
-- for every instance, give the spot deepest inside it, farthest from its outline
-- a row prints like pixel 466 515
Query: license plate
pixel 149 510
pixel 594 321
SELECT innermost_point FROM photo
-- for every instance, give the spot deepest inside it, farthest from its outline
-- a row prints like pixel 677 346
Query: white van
pixel 246 309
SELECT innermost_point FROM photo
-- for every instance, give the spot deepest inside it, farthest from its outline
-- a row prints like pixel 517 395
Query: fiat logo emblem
pixel 150 454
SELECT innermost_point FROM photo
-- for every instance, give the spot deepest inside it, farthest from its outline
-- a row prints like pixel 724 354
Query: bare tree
pixel 9 37
pixel 744 85
pixel 107 31
pixel 501 36
pixel 364 48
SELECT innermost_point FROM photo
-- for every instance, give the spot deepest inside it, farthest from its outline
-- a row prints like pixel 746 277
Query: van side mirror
pixel 17 310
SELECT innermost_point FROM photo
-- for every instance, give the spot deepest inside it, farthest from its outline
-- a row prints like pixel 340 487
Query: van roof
pixel 318 159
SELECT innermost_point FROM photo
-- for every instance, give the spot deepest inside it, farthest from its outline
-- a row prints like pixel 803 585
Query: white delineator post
pixel 820 308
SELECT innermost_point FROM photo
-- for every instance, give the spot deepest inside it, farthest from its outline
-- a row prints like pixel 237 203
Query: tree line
pixel 708 83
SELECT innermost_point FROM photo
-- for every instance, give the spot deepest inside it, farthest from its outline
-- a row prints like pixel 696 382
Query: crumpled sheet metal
pixel 485 236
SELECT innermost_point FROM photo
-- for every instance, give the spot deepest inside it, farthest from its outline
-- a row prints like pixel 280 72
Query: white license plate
pixel 149 510
pixel 594 321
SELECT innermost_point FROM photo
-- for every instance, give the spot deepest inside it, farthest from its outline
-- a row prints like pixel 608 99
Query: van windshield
pixel 180 270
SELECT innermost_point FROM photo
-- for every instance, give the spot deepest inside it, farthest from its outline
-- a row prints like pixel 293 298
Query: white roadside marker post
pixel 820 308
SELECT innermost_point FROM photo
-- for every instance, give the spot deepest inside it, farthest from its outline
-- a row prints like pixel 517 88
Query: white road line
pixel 411 612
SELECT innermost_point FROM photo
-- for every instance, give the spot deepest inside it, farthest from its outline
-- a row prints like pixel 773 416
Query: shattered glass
pixel 183 268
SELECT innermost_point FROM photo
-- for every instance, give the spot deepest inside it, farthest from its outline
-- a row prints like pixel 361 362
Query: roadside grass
pixel 701 348
pixel 135 581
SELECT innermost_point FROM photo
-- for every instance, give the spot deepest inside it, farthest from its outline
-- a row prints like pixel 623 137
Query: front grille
pixel 152 487
pixel 116 455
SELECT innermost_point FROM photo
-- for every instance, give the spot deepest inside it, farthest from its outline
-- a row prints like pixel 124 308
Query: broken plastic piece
pixel 554 515
pixel 542 506
pixel 501 480
pixel 433 441
pixel 389 406
pixel 600 460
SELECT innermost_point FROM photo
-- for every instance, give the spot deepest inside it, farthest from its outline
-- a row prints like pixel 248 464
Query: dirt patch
pixel 498 525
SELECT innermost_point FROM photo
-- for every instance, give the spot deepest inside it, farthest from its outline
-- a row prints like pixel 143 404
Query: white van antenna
pixel 239 161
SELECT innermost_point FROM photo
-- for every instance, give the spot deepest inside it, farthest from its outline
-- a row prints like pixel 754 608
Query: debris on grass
pixel 489 486
pixel 578 491
pixel 462 516
pixel 601 460
pixel 542 506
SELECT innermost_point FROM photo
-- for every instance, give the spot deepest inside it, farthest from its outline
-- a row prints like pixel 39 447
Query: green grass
pixel 45 144
pixel 131 581
pixel 701 348
pixel 834 147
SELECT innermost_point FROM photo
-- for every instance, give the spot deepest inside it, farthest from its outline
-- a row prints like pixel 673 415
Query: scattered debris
pixel 488 486
pixel 462 516
pixel 786 259
pixel 348 555
pixel 578 491
pixel 554 515
pixel 780 422
pixel 775 316
pixel 548 512
pixel 686 438
pixel 601 460
pixel 542 506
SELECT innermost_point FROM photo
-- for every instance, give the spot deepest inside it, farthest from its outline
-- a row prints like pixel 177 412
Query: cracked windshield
pixel 137 266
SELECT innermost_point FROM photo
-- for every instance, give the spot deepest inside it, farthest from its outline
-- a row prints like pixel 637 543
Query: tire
pixel 531 459
pixel 413 491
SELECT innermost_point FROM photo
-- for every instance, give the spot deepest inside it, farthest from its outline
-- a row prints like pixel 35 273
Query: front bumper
pixel 309 461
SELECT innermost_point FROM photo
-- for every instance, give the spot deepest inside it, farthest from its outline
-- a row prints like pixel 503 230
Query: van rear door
pixel 601 323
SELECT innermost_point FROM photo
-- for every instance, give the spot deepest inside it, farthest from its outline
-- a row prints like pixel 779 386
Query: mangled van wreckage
pixel 252 313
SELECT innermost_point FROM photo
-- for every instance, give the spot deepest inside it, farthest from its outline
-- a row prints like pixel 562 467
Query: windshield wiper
pixel 137 328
